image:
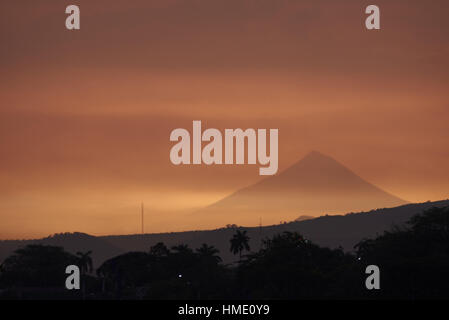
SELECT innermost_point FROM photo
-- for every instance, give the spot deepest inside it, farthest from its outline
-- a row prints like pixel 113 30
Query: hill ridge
pixel 328 230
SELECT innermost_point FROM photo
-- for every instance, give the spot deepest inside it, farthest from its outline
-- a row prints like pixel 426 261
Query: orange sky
pixel 85 116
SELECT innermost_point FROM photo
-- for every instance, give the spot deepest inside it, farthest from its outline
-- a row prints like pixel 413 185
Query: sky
pixel 86 115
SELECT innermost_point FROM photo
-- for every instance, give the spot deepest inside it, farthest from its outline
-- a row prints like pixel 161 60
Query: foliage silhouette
pixel 85 264
pixel 36 266
pixel 413 261
pixel 239 242
pixel 209 253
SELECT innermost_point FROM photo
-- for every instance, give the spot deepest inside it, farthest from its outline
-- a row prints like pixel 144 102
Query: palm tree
pixel 85 261
pixel 159 250
pixel 86 266
pixel 209 252
pixel 182 248
pixel 239 242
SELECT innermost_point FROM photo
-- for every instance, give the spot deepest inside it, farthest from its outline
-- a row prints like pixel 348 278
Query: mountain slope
pixel 315 185
pixel 71 242
pixel 329 231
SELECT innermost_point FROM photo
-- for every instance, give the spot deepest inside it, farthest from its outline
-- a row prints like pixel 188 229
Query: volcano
pixel 314 186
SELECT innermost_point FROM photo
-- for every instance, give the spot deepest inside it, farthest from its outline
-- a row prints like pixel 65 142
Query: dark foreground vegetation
pixel 413 262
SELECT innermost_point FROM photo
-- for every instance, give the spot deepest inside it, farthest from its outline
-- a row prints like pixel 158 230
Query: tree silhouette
pixel 36 266
pixel 131 269
pixel 413 258
pixel 239 242
pixel 159 250
pixel 434 222
pixel 85 261
pixel 86 266
pixel 209 253
pixel 182 249
pixel 288 266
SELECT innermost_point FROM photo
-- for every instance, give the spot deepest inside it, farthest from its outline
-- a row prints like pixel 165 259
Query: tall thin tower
pixel 142 219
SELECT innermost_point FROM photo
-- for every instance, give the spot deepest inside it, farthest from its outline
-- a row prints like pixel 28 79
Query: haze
pixel 85 116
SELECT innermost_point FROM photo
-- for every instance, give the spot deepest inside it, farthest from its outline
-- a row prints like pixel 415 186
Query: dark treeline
pixel 413 262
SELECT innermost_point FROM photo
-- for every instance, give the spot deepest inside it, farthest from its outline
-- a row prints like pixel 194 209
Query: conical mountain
pixel 315 185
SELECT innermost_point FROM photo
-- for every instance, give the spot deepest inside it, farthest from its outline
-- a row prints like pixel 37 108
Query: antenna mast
pixel 142 219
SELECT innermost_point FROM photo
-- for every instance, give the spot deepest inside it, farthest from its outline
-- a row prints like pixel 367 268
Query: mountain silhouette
pixel 315 185
pixel 71 242
pixel 304 218
pixel 327 231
